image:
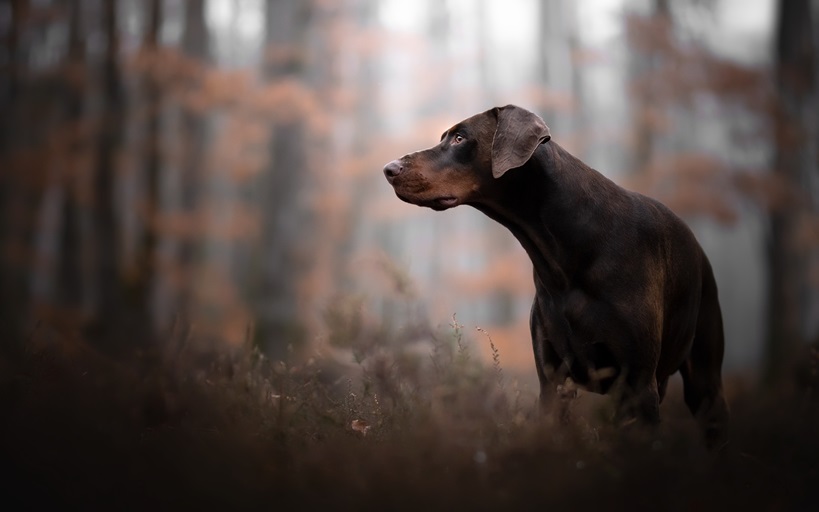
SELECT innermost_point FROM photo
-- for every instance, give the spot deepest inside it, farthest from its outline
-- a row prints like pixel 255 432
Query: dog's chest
pixel 594 337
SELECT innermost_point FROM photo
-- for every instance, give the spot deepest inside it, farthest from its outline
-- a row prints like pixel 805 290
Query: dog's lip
pixel 447 201
pixel 438 203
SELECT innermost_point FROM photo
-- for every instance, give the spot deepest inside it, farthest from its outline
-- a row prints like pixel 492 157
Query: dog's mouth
pixel 446 202
pixel 437 204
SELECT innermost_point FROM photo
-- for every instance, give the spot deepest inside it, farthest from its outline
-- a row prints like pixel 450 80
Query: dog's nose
pixel 393 169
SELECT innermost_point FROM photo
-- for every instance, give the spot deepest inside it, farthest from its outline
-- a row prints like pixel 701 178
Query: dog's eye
pixel 458 138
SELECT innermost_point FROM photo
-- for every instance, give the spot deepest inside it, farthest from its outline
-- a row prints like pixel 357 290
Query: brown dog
pixel 624 293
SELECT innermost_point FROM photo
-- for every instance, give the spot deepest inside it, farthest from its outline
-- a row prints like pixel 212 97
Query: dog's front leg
pixel 551 369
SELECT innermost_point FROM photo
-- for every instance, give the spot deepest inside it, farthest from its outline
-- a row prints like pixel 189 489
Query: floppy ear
pixel 517 135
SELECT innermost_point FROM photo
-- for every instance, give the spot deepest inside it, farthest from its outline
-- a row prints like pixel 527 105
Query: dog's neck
pixel 538 203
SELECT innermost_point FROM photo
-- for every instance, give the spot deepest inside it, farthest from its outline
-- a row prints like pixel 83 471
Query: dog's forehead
pixel 479 119
pixel 473 122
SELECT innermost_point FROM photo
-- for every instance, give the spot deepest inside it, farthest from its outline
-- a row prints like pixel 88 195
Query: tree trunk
pixel 550 23
pixel 108 283
pixel 195 44
pixel 281 263
pixel 147 246
pixel 796 139
pixel 646 62
pixel 10 79
pixel 12 282
pixel 69 272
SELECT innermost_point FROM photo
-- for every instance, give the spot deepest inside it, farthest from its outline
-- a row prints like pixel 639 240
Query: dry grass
pixel 405 428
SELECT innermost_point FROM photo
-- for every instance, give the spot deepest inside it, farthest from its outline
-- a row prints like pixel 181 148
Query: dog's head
pixel 471 154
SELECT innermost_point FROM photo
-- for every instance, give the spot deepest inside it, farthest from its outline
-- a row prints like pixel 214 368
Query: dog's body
pixel 624 293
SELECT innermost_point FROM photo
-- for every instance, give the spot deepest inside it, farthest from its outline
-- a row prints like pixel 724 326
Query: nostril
pixel 393 169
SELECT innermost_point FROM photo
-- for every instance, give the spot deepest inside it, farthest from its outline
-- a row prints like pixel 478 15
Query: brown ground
pixel 405 431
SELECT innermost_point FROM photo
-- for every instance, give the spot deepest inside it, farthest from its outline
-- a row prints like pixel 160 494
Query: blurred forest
pixel 214 167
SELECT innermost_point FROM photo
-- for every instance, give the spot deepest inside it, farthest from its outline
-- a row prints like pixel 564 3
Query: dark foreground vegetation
pixel 403 428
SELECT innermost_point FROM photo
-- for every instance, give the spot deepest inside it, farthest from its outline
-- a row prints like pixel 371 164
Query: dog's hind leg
pixel 701 372
pixel 704 398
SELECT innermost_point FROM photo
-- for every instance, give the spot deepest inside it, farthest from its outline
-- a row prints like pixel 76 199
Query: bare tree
pixel 12 283
pixel 647 59
pixel 148 240
pixel 108 282
pixel 795 161
pixel 281 260
pixel 69 271
pixel 195 44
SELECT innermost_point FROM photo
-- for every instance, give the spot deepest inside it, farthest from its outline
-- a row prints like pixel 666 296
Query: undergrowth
pixel 407 420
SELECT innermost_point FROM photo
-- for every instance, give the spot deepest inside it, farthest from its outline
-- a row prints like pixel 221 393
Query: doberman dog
pixel 625 295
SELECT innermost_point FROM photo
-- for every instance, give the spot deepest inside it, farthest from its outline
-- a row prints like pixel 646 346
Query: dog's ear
pixel 517 135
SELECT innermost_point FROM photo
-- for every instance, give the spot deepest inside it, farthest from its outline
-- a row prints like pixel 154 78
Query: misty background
pixel 214 167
